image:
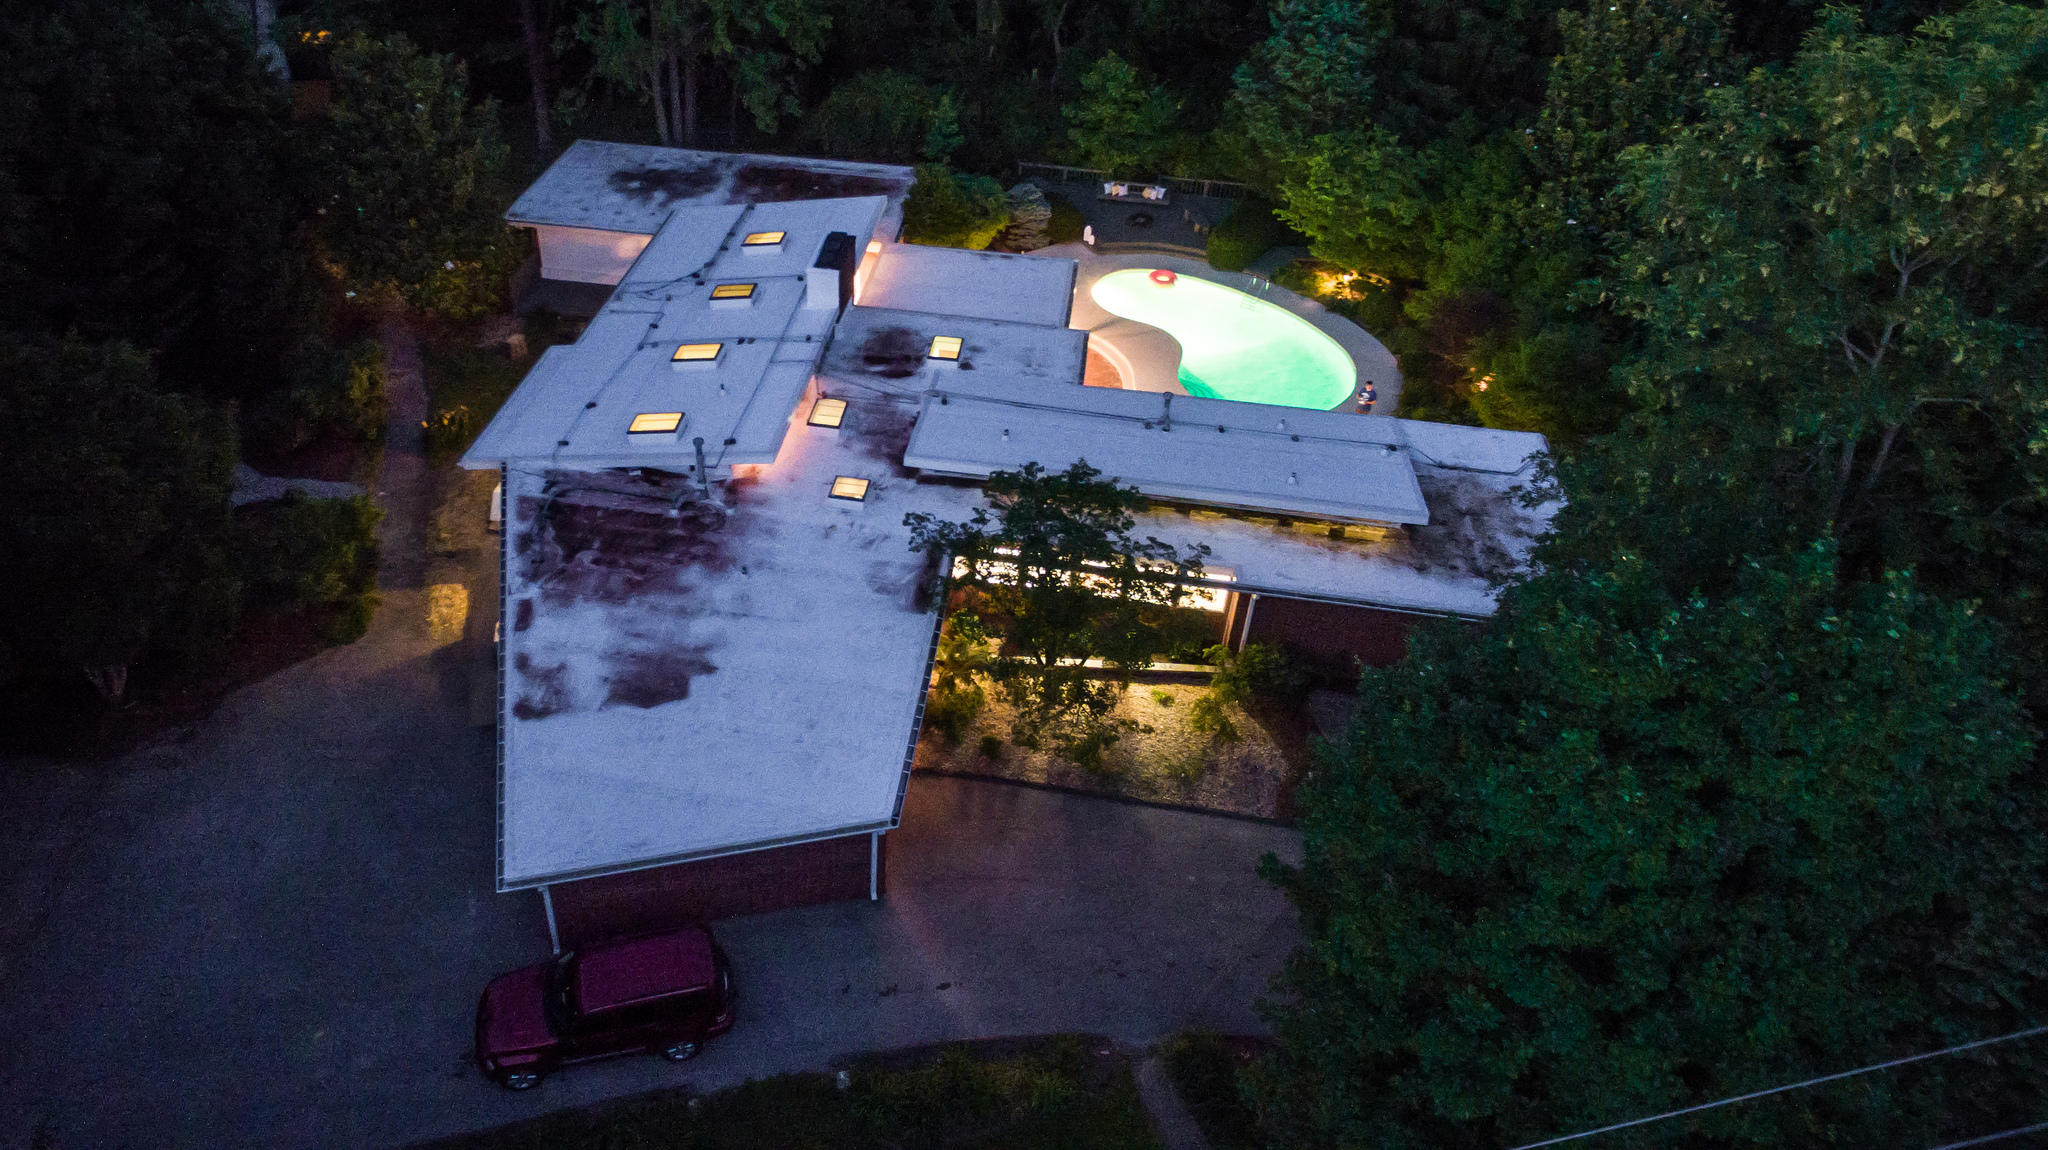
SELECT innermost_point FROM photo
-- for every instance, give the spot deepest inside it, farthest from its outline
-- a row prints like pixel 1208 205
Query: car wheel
pixel 680 1052
pixel 520 1080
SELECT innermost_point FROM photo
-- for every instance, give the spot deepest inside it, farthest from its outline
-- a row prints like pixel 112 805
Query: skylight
pixel 945 347
pixel 655 423
pixel 763 240
pixel 697 353
pixel 733 291
pixel 827 412
pixel 849 487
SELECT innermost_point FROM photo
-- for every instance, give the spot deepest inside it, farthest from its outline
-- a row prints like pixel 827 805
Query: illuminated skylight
pixel 848 487
pixel 827 412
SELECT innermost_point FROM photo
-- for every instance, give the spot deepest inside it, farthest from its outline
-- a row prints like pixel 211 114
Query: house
pixel 716 640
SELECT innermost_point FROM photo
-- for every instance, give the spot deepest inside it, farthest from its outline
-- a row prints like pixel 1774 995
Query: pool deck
pixel 1149 359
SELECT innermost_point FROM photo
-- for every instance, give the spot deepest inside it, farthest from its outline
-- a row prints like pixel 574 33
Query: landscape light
pixel 848 487
pixel 655 423
pixel 733 291
pixel 827 412
pixel 763 240
pixel 697 353
pixel 945 347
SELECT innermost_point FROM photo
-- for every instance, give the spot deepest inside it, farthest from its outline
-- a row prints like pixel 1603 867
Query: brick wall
pixel 830 870
pixel 1332 631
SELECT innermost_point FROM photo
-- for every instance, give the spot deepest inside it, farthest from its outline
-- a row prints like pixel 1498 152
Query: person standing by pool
pixel 1367 396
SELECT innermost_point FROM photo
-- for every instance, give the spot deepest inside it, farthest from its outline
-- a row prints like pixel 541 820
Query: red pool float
pixel 1163 277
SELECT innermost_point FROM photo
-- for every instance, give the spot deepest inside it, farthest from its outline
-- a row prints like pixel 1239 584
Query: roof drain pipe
pixel 703 476
pixel 1166 421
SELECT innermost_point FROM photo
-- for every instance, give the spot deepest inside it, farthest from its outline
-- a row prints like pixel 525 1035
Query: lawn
pixel 1069 1092
pixel 467 384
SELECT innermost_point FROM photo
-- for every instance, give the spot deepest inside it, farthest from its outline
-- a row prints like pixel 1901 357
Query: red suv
pixel 668 992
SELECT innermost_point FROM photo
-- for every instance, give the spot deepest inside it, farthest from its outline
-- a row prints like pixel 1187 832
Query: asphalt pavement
pixel 270 930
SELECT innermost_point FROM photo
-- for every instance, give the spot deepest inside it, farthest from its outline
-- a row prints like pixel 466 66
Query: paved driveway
pixel 272 933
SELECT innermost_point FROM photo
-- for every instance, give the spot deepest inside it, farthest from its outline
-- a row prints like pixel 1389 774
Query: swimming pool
pixel 1234 346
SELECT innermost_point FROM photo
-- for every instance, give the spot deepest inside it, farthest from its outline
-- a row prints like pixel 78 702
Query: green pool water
pixel 1234 346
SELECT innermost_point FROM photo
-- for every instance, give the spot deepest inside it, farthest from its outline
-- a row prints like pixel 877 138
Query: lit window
pixel 655 423
pixel 945 347
pixel 827 412
pixel 733 291
pixel 762 240
pixel 847 487
pixel 697 352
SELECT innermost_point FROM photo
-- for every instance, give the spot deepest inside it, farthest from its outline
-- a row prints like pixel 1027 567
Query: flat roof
pixel 633 187
pixel 742 674
pixel 982 285
pixel 577 407
pixel 892 349
pixel 1216 452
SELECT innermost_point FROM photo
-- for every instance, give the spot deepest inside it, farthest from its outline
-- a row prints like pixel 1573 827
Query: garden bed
pixel 1159 755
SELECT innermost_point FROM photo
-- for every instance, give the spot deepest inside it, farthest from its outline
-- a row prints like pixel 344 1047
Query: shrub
pixel 314 553
pixel 991 747
pixel 1067 220
pixel 447 432
pixel 1246 234
pixel 1258 674
pixel 1204 1074
pixel 953 210
pixel 1207 717
pixel 1163 698
pixel 328 391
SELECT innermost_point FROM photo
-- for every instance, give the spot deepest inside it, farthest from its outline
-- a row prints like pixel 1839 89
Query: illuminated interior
pixel 827 412
pixel 655 422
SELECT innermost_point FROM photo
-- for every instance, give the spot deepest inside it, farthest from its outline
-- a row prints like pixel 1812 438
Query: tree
pixel 880 114
pixel 1631 72
pixel 1120 124
pixel 116 516
pixel 1840 283
pixel 411 173
pixel 949 209
pixel 155 212
pixel 1060 579
pixel 1624 851
pixel 1312 77
pixel 658 47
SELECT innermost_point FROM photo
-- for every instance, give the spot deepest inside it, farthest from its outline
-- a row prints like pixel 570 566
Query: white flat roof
pixel 893 349
pixel 633 187
pixel 983 285
pixel 1282 460
pixel 744 674
pixel 576 407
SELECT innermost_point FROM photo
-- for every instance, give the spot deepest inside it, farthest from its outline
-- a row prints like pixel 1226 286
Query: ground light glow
pixel 1234 346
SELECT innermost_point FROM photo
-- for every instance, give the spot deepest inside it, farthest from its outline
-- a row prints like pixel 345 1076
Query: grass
pixel 467 384
pixel 1204 1069
pixel 1067 220
pixel 1069 1092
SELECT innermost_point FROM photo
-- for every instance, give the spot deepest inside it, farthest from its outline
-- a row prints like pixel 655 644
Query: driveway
pixel 270 932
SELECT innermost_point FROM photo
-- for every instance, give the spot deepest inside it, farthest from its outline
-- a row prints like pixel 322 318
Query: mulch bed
pixel 1158 759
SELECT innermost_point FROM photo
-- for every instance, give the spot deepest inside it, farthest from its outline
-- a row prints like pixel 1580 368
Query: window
pixel 655 423
pixel 945 347
pixel 848 487
pixel 697 353
pixel 733 291
pixel 763 240
pixel 827 412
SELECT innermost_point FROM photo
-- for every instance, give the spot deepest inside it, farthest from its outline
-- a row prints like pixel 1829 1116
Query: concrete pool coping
pixel 1149 359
